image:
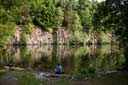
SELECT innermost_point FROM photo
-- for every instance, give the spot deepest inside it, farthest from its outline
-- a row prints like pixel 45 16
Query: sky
pixel 99 0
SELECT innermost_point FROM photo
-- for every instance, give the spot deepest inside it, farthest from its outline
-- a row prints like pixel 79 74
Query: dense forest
pixel 50 15
pixel 75 15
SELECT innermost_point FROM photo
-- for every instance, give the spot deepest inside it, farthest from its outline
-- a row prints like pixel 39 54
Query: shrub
pixel 77 37
pixel 29 27
pixel 6 32
pixel 24 38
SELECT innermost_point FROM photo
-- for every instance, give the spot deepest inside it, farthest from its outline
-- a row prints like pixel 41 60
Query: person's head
pixel 58 64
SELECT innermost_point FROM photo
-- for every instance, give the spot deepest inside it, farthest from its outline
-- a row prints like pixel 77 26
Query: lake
pixel 78 60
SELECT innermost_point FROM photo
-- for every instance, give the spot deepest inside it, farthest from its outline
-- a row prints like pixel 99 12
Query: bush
pixel 77 37
pixel 24 38
pixel 49 29
pixel 29 27
pixel 6 32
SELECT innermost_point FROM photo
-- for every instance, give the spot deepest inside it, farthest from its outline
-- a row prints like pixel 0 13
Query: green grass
pixel 27 79
pixel 60 82
pixel 2 73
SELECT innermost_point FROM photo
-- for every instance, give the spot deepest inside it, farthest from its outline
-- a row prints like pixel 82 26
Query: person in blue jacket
pixel 58 69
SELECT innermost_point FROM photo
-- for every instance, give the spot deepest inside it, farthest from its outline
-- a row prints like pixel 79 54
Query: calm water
pixel 85 60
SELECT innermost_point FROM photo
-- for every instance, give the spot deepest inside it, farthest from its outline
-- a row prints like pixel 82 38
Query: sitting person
pixel 58 69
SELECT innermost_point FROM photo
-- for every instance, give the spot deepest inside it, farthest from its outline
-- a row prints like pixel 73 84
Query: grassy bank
pixel 29 78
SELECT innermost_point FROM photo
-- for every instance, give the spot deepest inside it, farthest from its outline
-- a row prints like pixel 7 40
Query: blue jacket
pixel 58 69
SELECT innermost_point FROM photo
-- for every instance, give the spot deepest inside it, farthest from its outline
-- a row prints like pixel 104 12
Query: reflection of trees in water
pixel 9 55
pixel 73 58
pixel 100 61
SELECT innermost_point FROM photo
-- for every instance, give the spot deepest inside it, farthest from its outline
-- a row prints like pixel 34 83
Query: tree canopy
pixel 110 15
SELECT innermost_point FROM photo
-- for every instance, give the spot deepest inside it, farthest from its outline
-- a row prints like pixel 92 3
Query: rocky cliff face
pixel 60 36
pixel 39 36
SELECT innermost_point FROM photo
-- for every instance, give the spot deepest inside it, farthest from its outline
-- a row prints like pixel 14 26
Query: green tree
pixel 6 33
pixel 86 10
pixel 68 14
pixel 46 14
pixel 76 24
pixel 59 17
pixel 113 16
pixel 13 11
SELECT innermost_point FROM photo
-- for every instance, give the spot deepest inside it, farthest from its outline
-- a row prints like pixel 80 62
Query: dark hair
pixel 58 64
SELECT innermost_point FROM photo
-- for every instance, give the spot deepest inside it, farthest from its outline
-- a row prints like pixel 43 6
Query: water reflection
pixel 83 60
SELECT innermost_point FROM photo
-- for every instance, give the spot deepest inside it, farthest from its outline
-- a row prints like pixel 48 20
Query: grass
pixel 23 78
pixel 60 82
pixel 2 73
pixel 27 79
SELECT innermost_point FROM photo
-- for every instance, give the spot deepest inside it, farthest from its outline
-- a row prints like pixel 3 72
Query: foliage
pixel 59 16
pixel 24 38
pixel 76 15
pixel 112 16
pixel 76 25
pixel 28 60
pixel 104 37
pixel 89 72
pixel 13 11
pixel 27 79
pixel 29 27
pixel 6 32
pixel 86 10
pixel 47 13
pixel 77 37
pixel 68 14
pixel 49 29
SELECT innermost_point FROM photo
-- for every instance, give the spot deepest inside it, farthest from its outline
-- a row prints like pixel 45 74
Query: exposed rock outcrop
pixel 60 36
pixel 39 36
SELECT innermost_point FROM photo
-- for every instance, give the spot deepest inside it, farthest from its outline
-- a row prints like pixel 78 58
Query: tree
pixel 59 17
pixel 76 24
pixel 68 14
pixel 86 10
pixel 13 11
pixel 113 16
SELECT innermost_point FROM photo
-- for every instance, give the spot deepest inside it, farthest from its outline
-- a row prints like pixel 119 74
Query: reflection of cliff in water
pixel 72 58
